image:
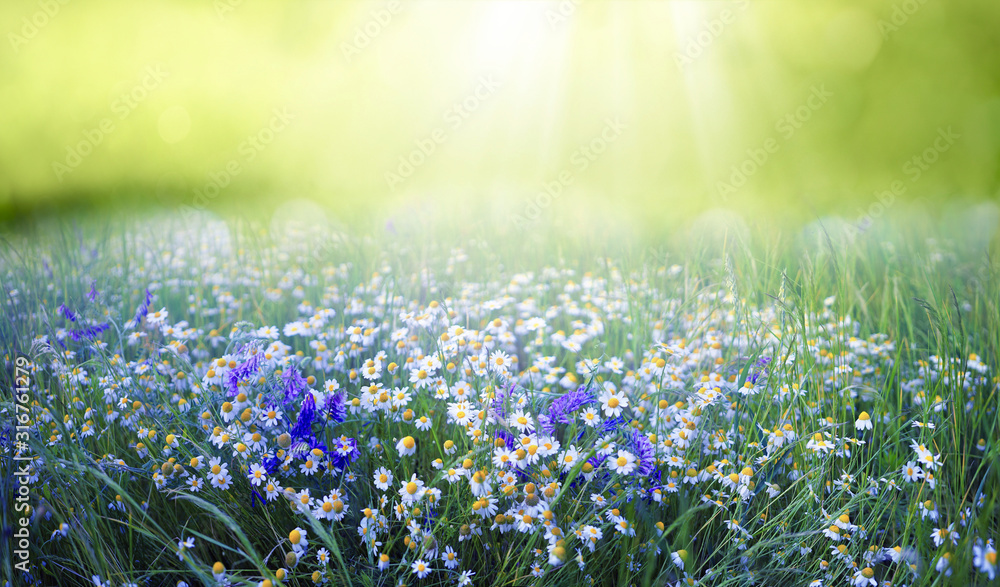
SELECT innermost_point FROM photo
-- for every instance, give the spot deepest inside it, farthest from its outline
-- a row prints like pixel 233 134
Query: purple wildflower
pixel 345 452
pixel 271 465
pixel 143 308
pixel 759 369
pixel 563 406
pixel 500 399
pixel 243 371
pixel 307 413
pixel 69 314
pixel 294 384
pixel 89 332
pixel 254 496
pixel 612 425
pixel 643 449
pixel 336 407
pixel 92 294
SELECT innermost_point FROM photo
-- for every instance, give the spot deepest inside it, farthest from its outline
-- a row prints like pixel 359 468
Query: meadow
pixel 215 403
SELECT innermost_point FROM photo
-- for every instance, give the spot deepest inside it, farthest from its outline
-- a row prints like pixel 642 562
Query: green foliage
pixel 908 297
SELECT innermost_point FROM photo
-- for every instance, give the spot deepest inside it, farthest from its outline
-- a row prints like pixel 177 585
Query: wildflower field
pixel 212 403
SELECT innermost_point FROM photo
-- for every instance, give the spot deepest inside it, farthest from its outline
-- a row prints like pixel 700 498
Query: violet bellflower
pixel 336 407
pixel 640 445
pixel 67 313
pixel 303 425
pixel 500 399
pixel 141 311
pixel 345 452
pixel 89 332
pixel 612 425
pixel 294 384
pixel 242 371
pixel 759 370
pixel 561 409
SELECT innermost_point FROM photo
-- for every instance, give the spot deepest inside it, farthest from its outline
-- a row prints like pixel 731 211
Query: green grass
pixel 760 293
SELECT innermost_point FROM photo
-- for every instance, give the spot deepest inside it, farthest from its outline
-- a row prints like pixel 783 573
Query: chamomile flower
pixel 218 571
pixel 183 546
pixel 912 473
pixel 590 417
pixel 984 558
pixel 521 421
pixel 406 446
pixel 383 478
pixel 412 491
pixel 420 568
pixel 590 535
pixel 613 402
pixel 943 564
pixel 257 475
pixel 450 557
pixel 323 557
pixel 864 578
pixel 623 464
pixel 943 535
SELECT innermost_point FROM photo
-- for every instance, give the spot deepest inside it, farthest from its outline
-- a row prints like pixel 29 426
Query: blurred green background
pixel 646 112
